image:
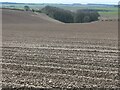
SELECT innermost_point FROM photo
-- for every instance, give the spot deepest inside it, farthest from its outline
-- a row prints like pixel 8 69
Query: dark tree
pixel 26 8
pixel 66 16
pixel 86 15
pixel 33 10
pixel 59 14
pixel 86 19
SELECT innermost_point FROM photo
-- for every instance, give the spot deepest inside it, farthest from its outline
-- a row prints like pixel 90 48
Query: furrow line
pixel 78 66
pixel 68 49
pixel 54 67
pixel 56 74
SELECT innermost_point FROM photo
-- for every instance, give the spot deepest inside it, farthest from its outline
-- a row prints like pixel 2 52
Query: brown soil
pixel 41 53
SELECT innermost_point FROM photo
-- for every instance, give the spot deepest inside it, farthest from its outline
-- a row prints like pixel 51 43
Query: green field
pixel 105 11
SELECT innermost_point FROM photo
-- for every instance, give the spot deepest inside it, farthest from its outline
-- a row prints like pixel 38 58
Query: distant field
pixel 21 6
pixel 112 11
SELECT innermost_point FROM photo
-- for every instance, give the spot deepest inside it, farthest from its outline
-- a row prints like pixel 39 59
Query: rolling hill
pixel 25 17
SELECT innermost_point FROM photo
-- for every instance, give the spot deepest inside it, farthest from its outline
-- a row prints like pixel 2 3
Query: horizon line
pixel 62 3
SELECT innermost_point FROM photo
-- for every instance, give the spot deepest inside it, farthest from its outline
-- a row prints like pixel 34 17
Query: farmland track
pixel 60 55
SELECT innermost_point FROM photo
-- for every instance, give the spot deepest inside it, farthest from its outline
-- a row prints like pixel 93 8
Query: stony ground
pixel 60 55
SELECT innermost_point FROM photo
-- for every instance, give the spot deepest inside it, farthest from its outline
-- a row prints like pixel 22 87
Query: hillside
pixel 24 17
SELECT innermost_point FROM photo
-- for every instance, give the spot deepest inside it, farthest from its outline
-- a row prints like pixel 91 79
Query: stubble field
pixel 48 55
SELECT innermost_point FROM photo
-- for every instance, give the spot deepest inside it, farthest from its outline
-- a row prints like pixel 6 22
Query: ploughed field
pixel 60 55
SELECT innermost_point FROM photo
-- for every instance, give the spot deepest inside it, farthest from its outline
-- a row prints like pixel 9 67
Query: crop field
pixel 49 55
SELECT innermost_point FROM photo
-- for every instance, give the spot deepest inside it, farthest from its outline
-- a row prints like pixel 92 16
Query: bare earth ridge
pixel 40 52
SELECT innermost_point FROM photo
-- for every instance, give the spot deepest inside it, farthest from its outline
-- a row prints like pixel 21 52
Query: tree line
pixel 58 14
pixel 66 16
pixel 86 15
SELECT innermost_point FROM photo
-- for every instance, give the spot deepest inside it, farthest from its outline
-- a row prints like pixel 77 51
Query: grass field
pixel 59 55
